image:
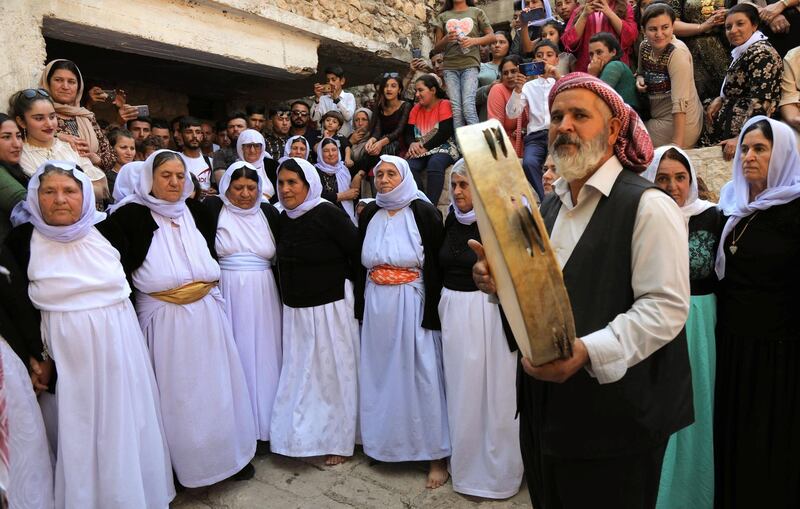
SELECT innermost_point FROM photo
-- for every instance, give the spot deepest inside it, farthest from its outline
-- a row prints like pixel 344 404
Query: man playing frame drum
pixel 594 427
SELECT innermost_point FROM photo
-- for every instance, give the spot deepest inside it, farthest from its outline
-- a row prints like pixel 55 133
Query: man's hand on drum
pixel 561 370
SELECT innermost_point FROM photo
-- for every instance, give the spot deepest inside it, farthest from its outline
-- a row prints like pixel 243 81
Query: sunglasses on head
pixel 30 93
pixel 391 74
pixel 283 113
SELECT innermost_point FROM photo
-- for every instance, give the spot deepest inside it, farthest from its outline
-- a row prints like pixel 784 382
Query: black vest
pixel 582 418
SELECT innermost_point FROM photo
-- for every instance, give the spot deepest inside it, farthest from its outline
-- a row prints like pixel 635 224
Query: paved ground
pixel 287 483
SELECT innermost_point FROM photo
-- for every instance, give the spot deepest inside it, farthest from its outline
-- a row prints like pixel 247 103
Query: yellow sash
pixel 186 294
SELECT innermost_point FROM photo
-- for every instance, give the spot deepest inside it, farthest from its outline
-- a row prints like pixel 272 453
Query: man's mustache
pixel 567 139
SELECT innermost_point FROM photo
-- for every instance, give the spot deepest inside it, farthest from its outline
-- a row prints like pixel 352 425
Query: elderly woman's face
pixel 10 142
pixel 330 153
pixel 292 189
pixel 168 180
pixel 360 120
pixel 387 177
pixel 64 86
pixel 673 177
pixel 60 200
pixel 243 192
pixel 738 28
pixel 251 152
pixel 756 151
pixel 298 149
pixel 462 193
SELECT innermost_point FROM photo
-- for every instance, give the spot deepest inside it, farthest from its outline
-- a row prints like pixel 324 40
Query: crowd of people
pixel 180 296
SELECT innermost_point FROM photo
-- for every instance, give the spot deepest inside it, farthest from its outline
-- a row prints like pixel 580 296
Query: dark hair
pixel 748 10
pixel 430 81
pixel 198 189
pixel 211 124
pixel 514 59
pixel 448 5
pixel 116 134
pixel 152 141
pixel 68 65
pixel 148 120
pixel 761 125
pixel 504 34
pixel 332 114
pixel 5 118
pixel 236 114
pixel 255 109
pixel 277 108
pixel 50 170
pixel 657 9
pixel 545 42
pixel 328 141
pixel 382 85
pixel 245 172
pixel 335 70
pixel 158 123
pixel 221 125
pixel 165 156
pixel 176 120
pixel 18 104
pixel 674 155
pixel 299 101
pixel 291 165
pixel 432 53
pixel 609 41
pixel 187 122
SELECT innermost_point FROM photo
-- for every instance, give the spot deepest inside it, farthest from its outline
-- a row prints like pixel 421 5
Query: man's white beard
pixel 585 159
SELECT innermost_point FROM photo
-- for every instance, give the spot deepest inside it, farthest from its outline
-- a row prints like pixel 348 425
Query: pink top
pixel 598 22
pixel 496 108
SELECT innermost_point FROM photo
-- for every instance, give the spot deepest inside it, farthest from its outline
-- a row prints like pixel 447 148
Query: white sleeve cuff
pixel 606 356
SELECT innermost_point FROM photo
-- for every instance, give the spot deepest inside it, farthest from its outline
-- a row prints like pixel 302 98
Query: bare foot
pixel 437 475
pixel 333 459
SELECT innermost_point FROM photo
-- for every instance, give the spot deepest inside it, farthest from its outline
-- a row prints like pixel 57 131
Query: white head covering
pixel 29 211
pixel 365 110
pixel 225 182
pixel 783 182
pixel 287 148
pixel 314 196
pixel 141 193
pixel 465 218
pixel 406 192
pixel 247 137
pixel 343 177
pixel 694 205
pixel 127 179
pixel 738 51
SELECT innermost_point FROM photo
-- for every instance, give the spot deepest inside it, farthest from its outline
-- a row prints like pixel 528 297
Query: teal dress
pixel 620 78
pixel 687 476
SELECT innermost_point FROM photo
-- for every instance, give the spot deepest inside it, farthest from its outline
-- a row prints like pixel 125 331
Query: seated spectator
pixel 337 184
pixel 34 112
pixel 613 16
pixel 197 163
pixel 160 128
pixel 335 99
pixel 209 145
pixel 666 74
pixel 564 9
pixel 256 117
pixel 429 135
pixel 124 147
pixel 533 96
pixel 552 31
pixel 251 148
pixel 300 119
pixel 331 124
pixel 280 118
pixel 498 98
pixel 177 141
pixel 296 146
pixel 226 156
pixel 605 64
pixel 390 119
pixel 490 72
pixel 150 145
pixel 360 136
pixel 76 125
pixel 140 128
pixel 790 89
pixel 752 83
pixel 13 182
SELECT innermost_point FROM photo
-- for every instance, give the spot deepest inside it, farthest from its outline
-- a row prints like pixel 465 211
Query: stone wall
pixel 712 168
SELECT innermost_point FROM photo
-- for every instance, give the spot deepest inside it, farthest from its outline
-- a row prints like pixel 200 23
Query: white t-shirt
pixel 200 169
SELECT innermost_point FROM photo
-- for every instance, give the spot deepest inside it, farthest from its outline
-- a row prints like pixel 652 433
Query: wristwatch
pixel 336 101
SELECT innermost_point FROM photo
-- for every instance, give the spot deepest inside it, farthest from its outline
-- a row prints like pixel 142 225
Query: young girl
pixel 552 31
pixel 124 148
pixel 461 29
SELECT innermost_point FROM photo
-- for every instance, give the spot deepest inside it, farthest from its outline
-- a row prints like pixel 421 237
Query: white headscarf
pixel 141 193
pixel 225 182
pixel 247 137
pixel 287 148
pixel 127 179
pixel 314 196
pixel 343 177
pixel 738 51
pixel 694 205
pixel 29 211
pixel 465 218
pixel 783 182
pixel 406 192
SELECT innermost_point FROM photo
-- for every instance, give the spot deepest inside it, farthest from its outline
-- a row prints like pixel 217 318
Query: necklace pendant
pixel 732 248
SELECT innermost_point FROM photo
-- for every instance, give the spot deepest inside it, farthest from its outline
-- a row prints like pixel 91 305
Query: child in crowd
pixel 124 148
pixel 331 97
pixel 331 124
pixel 552 31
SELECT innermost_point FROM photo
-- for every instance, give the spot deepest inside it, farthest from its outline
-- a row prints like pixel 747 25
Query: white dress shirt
pixel 659 267
pixel 346 106
pixel 534 94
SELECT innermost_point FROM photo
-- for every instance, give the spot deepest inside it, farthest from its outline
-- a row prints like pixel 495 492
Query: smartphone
pixel 532 68
pixel 528 16
pixel 416 53
pixel 110 95
pixel 143 110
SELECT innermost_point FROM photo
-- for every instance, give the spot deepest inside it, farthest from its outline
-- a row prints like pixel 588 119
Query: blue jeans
pixel 461 88
pixel 435 166
pixel 533 159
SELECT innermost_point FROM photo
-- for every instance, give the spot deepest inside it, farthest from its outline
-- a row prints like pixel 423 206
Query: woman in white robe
pixel 111 446
pixel 316 407
pixel 480 368
pixel 245 243
pixel 252 148
pixel 403 411
pixel 205 402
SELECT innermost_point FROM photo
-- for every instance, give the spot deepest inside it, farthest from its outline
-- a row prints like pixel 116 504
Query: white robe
pixel 205 403
pixel 316 407
pixel 480 374
pixel 403 411
pixel 30 465
pixel 245 246
pixel 111 447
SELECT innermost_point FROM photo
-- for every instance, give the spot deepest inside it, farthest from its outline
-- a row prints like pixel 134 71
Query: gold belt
pixel 186 294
